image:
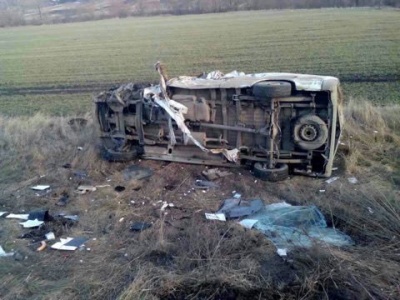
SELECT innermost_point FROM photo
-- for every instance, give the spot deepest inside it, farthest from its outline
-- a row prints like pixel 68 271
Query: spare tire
pixel 111 152
pixel 310 132
pixel 280 172
pixel 272 89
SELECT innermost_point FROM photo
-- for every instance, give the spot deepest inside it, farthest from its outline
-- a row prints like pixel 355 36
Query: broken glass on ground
pixel 290 226
pixel 136 173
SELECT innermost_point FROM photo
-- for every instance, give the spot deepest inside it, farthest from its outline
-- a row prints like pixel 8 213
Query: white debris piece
pixel 2 213
pixel 352 180
pixel 18 216
pixel 50 236
pixel 83 189
pixel 248 223
pixel 282 251
pixel 4 253
pixel 219 217
pixel 330 180
pixel 61 245
pixel 40 187
pixel 31 223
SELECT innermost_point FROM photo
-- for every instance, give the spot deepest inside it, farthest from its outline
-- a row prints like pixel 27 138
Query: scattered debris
pixel 135 172
pixel 322 191
pixel 70 217
pixel 166 205
pixel 83 189
pixel 219 217
pixel 80 174
pixel 2 213
pixel 67 166
pixel 42 246
pixel 370 210
pixel 69 244
pixel 248 223
pixel 80 148
pixel 40 187
pixel 290 226
pixel 236 208
pixel 140 226
pixel 352 180
pixel 63 200
pixel 5 254
pixel 31 223
pixel 204 184
pixel 215 173
pixel 282 251
pixel 330 180
pixel 119 188
pixel 121 220
pixel 41 215
pixel 18 216
pixel 237 196
pixel 50 236
pixel 102 186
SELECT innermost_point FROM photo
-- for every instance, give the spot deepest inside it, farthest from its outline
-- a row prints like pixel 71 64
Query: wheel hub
pixel 308 132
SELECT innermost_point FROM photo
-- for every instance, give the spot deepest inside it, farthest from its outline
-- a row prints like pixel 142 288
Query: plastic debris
pixel 135 172
pixel 330 180
pixel 50 236
pixel 290 226
pixel 69 244
pixel 236 208
pixel 83 189
pixel 18 216
pixel 40 187
pixel 140 226
pixel 31 223
pixel 166 205
pixel 42 246
pixel 63 200
pixel 352 180
pixel 281 252
pixel 237 196
pixel 5 254
pixel 215 173
pixel 119 188
pixel 204 184
pixel 219 217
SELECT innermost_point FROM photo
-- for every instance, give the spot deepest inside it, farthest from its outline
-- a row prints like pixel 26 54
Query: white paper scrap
pixel 330 180
pixel 31 223
pixel 18 216
pixel 219 217
pixel 40 187
pixel 248 223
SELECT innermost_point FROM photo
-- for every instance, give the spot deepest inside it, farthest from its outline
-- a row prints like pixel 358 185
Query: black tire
pixel 111 153
pixel 272 89
pixel 310 132
pixel 279 173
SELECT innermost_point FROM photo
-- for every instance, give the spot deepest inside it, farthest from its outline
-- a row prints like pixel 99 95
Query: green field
pixel 61 65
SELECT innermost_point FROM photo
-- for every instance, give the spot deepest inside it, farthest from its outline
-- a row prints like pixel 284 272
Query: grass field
pixel 58 64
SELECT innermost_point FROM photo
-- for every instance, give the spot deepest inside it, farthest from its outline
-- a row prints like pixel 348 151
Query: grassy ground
pixel 360 46
pixel 184 256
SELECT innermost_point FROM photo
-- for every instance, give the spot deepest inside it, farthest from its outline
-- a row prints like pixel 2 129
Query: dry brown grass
pixel 184 256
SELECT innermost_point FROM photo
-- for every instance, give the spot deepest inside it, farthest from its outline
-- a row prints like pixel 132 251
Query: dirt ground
pixel 183 255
